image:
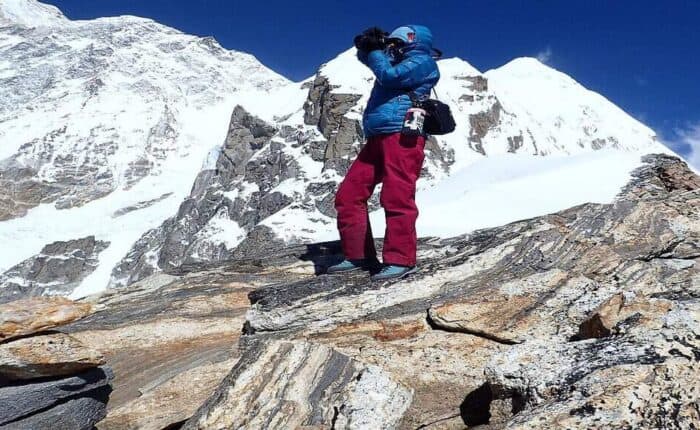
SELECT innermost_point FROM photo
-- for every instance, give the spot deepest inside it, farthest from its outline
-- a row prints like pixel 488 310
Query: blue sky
pixel 643 55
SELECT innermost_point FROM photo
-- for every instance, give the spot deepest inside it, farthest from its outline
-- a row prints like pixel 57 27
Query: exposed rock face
pixel 170 340
pixel 28 316
pixel 58 269
pixel 481 123
pixel 533 284
pixel 219 202
pixel 281 385
pixel 327 110
pixel 581 319
pixel 48 380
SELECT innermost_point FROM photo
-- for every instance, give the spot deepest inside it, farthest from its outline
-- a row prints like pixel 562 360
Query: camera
pixel 371 39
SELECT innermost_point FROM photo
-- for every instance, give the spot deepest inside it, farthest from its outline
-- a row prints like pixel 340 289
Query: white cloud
pixel 545 55
pixel 689 139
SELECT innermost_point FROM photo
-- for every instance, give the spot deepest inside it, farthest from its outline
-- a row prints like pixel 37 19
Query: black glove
pixel 371 39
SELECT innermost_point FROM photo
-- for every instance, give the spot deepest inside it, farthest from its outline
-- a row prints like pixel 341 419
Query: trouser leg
pixel 351 202
pixel 401 164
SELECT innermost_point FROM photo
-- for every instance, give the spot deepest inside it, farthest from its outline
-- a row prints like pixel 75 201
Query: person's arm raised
pixel 401 75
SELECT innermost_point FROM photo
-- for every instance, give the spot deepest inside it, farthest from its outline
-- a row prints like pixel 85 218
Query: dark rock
pixel 59 268
pixel 22 402
pixel 183 238
pixel 326 110
pixel 81 413
pixel 481 123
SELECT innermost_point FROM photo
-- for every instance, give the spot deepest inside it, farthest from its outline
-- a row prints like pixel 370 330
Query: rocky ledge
pixel 48 380
pixel 587 318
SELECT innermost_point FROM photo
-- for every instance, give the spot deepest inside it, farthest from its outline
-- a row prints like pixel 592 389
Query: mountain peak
pixel 456 66
pixel 30 13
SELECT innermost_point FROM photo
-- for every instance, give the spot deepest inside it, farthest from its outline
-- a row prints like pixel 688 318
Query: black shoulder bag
pixel 438 116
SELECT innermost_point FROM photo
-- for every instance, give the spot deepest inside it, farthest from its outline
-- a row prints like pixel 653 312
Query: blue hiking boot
pixel 392 271
pixel 353 265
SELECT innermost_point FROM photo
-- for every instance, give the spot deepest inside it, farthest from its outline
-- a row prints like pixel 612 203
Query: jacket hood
pixel 422 36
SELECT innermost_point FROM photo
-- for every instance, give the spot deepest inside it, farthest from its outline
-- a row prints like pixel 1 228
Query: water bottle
pixel 413 122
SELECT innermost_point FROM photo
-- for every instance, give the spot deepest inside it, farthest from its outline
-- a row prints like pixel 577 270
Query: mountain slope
pixel 111 122
pixel 99 118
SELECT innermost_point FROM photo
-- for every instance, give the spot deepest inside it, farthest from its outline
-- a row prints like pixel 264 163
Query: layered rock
pixel 45 356
pixel 72 403
pixel 281 385
pixel 516 299
pixel 29 316
pixel 48 380
pixel 170 340
pixel 57 270
pixel 574 319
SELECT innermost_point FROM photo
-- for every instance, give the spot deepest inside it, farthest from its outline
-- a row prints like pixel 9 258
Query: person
pixel 402 63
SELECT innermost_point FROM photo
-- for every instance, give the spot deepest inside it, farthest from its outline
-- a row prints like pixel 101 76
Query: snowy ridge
pixel 30 13
pixel 559 114
pixel 107 124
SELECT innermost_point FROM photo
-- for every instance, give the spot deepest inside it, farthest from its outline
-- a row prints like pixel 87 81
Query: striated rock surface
pixel 72 403
pixel 57 269
pixel 587 318
pixel 46 355
pixel 48 380
pixel 491 326
pixel 170 340
pixel 281 385
pixel 27 316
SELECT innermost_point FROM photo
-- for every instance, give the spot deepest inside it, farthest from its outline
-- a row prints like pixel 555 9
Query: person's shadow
pixel 323 255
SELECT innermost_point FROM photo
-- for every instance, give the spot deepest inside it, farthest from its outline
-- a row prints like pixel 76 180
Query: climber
pixel 402 64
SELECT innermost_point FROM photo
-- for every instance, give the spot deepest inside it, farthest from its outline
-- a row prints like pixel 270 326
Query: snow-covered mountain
pixel 158 149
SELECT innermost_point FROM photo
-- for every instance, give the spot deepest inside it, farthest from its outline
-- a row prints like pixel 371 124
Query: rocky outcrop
pixel 586 318
pixel 48 380
pixel 328 111
pixel 481 123
pixel 170 340
pixel 281 385
pixel 72 403
pixel 57 269
pixel 221 197
pixel 492 325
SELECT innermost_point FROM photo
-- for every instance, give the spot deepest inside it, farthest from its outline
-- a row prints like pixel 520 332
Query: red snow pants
pixel 394 160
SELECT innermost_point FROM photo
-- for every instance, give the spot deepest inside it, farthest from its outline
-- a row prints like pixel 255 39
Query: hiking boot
pixel 393 271
pixel 353 265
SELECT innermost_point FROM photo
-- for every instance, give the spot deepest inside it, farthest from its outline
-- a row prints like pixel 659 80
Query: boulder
pixel 27 316
pixel 45 356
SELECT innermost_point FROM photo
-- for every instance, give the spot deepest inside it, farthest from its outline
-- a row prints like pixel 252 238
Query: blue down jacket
pixel 416 71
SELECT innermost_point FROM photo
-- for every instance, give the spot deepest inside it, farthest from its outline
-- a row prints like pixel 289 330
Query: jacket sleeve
pixel 362 56
pixel 403 75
